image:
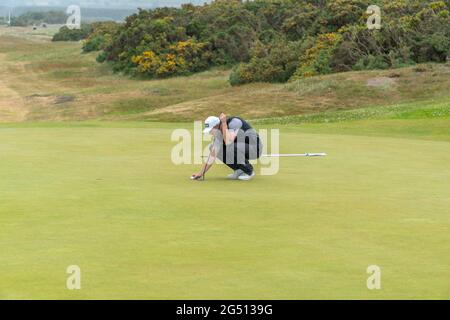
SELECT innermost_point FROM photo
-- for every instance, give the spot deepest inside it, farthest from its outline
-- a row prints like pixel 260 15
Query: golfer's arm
pixel 210 162
pixel 228 137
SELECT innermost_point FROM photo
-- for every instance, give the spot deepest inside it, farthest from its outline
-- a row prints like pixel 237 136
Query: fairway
pixel 107 197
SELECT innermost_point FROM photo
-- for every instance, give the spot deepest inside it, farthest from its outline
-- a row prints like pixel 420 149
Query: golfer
pixel 235 143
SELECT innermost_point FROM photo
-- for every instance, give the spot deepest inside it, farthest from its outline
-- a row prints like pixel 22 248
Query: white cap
pixel 210 123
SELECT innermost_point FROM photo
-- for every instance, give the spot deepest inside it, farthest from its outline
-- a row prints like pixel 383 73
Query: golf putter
pixel 204 169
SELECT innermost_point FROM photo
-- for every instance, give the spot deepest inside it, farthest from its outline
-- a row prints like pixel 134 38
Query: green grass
pixel 106 197
pixel 426 109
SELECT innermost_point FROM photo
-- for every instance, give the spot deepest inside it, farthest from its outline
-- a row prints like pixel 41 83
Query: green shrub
pixel 100 36
pixel 317 59
pixel 66 34
pixel 183 57
pixel 272 62
pixel 101 57
pixel 241 74
pixel 94 43
pixel 371 62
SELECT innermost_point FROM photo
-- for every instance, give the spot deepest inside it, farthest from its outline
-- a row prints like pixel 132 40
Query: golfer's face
pixel 214 131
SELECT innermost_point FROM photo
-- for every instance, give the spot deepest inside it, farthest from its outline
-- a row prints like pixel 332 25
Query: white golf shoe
pixel 246 177
pixel 235 175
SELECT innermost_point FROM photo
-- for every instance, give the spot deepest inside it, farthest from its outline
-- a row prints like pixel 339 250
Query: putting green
pixel 109 199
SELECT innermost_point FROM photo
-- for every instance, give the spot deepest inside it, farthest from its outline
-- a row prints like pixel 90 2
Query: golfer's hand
pixel 223 117
pixel 196 176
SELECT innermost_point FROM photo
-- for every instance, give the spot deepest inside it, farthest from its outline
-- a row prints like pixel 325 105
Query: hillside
pixel 53 81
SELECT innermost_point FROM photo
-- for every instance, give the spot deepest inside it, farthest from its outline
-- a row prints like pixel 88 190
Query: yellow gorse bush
pixel 147 62
pixel 316 59
pixel 184 57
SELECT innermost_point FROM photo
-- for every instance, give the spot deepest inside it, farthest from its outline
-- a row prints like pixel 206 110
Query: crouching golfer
pixel 235 143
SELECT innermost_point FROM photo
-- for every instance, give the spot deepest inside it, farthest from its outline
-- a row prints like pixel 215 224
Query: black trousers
pixel 237 155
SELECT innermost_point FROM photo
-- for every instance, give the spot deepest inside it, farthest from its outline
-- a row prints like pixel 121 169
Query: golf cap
pixel 210 123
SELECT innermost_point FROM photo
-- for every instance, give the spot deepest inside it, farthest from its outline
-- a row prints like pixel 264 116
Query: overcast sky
pixel 99 3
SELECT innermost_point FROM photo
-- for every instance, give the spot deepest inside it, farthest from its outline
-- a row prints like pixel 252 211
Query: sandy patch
pixel 381 82
pixel 12 107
